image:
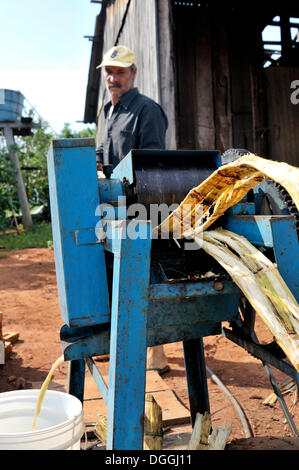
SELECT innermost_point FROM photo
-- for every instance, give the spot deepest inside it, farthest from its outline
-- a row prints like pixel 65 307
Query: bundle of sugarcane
pixel 261 283
pixel 223 189
pixel 286 386
pixel 255 274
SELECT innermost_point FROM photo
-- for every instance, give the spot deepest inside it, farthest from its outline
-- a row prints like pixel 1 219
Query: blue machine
pixel 121 291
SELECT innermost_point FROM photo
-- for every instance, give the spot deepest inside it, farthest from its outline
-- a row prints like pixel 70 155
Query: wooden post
pixel 26 216
pixel 221 83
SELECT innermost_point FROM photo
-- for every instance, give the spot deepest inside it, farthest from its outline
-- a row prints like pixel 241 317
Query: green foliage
pixel 32 153
pixel 33 161
pixel 8 198
pixel 68 133
pixel 40 236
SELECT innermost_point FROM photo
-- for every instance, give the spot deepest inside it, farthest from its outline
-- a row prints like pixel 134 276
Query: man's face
pixel 119 80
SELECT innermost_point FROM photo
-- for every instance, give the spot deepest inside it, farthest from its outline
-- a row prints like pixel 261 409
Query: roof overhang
pixel 92 91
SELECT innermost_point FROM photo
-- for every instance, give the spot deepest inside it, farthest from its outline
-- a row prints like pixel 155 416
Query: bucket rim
pixel 47 430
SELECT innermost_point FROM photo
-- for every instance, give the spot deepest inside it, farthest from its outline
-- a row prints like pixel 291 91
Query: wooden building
pixel 207 64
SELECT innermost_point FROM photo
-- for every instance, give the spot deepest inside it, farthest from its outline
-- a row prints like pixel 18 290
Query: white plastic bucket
pixel 59 426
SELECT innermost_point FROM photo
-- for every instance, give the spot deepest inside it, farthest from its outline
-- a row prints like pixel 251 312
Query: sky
pixel 45 56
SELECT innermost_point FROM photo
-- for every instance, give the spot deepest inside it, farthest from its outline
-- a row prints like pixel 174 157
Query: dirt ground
pixel 29 305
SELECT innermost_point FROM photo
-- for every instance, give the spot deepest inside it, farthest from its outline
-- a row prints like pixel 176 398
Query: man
pixel 133 121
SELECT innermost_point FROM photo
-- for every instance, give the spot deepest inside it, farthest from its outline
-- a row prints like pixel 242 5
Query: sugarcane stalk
pixel 225 188
pixel 267 276
pixel 101 430
pixel 199 439
pixel 206 436
pixel 250 275
pixel 153 425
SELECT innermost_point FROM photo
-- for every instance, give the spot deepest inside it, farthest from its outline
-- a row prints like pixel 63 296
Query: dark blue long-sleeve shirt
pixel 137 122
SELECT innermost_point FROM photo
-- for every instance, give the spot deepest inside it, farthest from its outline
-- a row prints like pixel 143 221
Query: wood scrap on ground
pixel 174 412
pixel 286 386
pixel 8 339
pixel 206 436
pixel 11 337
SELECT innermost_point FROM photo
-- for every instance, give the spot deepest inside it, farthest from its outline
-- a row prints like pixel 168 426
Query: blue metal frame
pixel 79 257
pixel 142 315
pixel 128 340
pixel 143 309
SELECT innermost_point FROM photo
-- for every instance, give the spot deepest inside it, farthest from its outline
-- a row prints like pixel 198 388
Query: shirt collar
pixel 125 100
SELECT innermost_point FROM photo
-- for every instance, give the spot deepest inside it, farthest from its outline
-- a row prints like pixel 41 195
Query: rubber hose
pixel 246 427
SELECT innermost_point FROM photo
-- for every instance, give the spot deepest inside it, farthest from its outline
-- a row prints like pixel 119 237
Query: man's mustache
pixel 114 85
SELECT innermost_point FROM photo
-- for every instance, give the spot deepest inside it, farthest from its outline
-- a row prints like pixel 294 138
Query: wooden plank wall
pixel 206 70
pixel 241 97
pixel 167 69
pixel 283 115
pixel 204 99
pixel 185 77
pixel 203 79
pixel 259 103
pixel 219 72
pixel 140 35
pixel 248 97
pixel 195 114
pixel 221 84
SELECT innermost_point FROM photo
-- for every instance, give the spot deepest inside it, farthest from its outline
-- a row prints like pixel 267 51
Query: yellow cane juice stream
pixel 43 390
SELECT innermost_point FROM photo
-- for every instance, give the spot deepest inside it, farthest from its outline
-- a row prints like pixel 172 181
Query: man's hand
pixel 100 170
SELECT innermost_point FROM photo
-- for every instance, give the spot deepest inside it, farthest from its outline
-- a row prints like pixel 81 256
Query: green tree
pixel 8 197
pixel 68 133
pixel 32 152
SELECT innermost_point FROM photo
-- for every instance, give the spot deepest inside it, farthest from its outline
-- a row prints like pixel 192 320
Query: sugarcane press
pixel 121 290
